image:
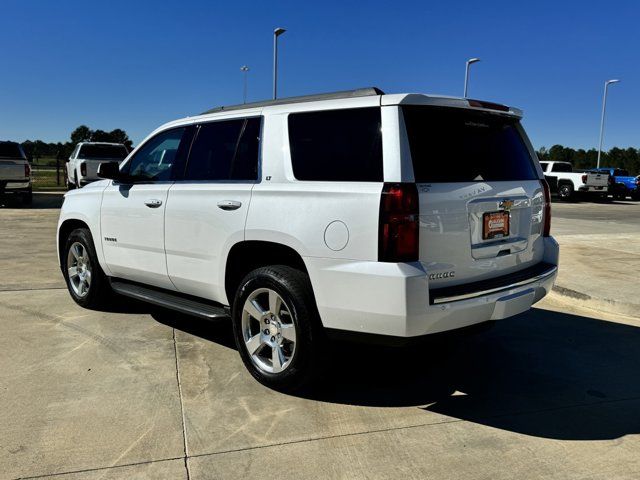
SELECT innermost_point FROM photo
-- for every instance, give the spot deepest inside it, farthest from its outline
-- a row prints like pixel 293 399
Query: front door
pixel 132 214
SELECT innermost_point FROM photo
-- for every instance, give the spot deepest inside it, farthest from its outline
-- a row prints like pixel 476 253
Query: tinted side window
pixel 337 145
pixel 225 150
pixel 157 158
pixel 544 166
pixel 562 167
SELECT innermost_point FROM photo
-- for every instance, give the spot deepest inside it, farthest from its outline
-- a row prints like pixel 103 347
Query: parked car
pixel 15 172
pixel 353 214
pixel 569 183
pixel 622 185
pixel 85 158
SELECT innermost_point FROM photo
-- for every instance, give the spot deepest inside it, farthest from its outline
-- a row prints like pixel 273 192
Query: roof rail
pixel 360 92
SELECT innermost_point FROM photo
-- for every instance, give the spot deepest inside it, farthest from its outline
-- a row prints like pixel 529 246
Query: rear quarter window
pixel 337 145
pixel 459 145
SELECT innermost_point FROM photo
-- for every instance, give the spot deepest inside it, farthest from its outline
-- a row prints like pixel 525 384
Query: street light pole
pixel 466 74
pixel 604 107
pixel 244 69
pixel 276 33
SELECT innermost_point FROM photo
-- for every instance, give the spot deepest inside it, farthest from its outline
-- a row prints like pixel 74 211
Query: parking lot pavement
pixel 126 393
pixel 600 254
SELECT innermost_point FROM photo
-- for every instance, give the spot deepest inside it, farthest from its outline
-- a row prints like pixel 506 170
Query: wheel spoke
pixel 277 358
pixel 81 288
pixel 254 309
pixel 87 277
pixel 254 344
pixel 288 331
pixel 275 302
pixel 73 272
pixel 75 251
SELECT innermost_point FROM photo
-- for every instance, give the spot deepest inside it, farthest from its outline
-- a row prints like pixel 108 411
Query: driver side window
pixel 157 159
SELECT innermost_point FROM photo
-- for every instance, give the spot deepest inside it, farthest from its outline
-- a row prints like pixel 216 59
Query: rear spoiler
pixel 455 102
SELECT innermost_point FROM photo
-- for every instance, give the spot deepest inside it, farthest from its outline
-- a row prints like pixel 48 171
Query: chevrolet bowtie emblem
pixel 506 205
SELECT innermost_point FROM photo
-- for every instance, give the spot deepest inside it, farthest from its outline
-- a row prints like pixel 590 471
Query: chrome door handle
pixel 229 204
pixel 153 203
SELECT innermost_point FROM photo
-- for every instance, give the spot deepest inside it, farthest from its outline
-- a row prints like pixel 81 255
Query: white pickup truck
pixel 15 172
pixel 567 182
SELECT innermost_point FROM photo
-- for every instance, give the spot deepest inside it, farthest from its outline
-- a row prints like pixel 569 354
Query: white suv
pixel 82 166
pixel 357 213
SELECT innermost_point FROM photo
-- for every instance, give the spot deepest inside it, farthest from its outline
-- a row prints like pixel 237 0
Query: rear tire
pixel 27 198
pixel 277 328
pixel 565 191
pixel 87 283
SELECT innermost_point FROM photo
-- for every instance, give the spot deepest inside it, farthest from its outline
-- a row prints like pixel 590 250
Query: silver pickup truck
pixel 567 183
pixel 15 172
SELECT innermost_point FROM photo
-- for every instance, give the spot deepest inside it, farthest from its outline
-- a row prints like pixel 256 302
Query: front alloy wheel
pixel 268 330
pixel 79 269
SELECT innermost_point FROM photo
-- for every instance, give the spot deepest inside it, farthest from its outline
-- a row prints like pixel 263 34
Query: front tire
pixel 277 328
pixel 85 279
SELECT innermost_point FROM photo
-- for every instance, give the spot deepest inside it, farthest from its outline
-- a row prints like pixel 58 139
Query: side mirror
pixel 109 170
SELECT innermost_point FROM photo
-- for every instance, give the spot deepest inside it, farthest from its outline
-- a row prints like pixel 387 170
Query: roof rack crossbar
pixel 360 92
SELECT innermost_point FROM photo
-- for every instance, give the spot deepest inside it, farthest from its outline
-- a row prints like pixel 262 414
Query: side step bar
pixel 174 301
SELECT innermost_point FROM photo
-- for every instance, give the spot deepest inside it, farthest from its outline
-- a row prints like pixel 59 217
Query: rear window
pixel 456 145
pixel 620 173
pixel 337 145
pixel 89 152
pixel 11 150
pixel 562 167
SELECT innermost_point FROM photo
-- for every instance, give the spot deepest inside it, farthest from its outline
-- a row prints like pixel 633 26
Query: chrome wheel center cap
pixel 273 329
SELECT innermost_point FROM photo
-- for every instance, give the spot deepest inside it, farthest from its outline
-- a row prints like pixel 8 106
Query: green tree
pixel 81 134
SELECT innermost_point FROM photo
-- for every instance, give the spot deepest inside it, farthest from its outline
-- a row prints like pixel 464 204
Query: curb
pixel 603 304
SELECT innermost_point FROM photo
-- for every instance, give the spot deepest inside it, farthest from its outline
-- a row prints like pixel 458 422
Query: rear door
pixel 481 198
pixel 207 209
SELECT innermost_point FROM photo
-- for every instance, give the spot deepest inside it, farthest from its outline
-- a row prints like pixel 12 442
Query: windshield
pixel 11 150
pixel 458 145
pixel 89 152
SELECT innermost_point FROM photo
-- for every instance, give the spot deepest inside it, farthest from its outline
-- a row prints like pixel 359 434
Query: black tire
pixel 99 291
pixel 27 198
pixel 294 287
pixel 565 191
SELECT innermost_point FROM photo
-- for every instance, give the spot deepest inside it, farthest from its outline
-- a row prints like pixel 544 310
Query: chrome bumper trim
pixel 480 293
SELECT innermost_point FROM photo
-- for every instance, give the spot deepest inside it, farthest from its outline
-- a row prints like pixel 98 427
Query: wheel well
pixel 249 255
pixel 65 230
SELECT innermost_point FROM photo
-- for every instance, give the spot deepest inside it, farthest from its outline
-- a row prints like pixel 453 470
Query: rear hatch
pixel 480 198
pixel 12 162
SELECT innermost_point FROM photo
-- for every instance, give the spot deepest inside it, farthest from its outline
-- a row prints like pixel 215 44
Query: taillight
pixel 584 179
pixel 398 235
pixel 27 170
pixel 546 231
pixel 83 169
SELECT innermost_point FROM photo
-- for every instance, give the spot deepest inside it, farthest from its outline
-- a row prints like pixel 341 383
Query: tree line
pixel 627 158
pixel 37 148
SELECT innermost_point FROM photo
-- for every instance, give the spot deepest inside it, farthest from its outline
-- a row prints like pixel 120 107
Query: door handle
pixel 153 203
pixel 229 204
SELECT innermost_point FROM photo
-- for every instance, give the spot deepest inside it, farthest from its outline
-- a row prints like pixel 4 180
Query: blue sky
pixel 135 64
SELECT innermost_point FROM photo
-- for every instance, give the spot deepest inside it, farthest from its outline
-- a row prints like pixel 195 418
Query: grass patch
pixel 46 179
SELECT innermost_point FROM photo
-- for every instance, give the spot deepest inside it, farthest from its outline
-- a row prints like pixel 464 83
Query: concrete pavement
pixel 140 393
pixel 599 254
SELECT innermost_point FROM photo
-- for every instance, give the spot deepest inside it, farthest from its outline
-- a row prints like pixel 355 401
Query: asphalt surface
pixel 135 392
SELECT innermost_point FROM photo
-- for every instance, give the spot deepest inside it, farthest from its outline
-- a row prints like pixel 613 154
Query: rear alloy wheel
pixel 277 328
pixel 565 191
pixel 86 281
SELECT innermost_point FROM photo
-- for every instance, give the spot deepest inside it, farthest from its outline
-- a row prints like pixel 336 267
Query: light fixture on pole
pixel 245 70
pixel 276 33
pixel 466 74
pixel 604 107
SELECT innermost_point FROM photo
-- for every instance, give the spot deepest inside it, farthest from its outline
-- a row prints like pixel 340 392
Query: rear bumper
pixel 394 300
pixel 15 186
pixel 589 189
